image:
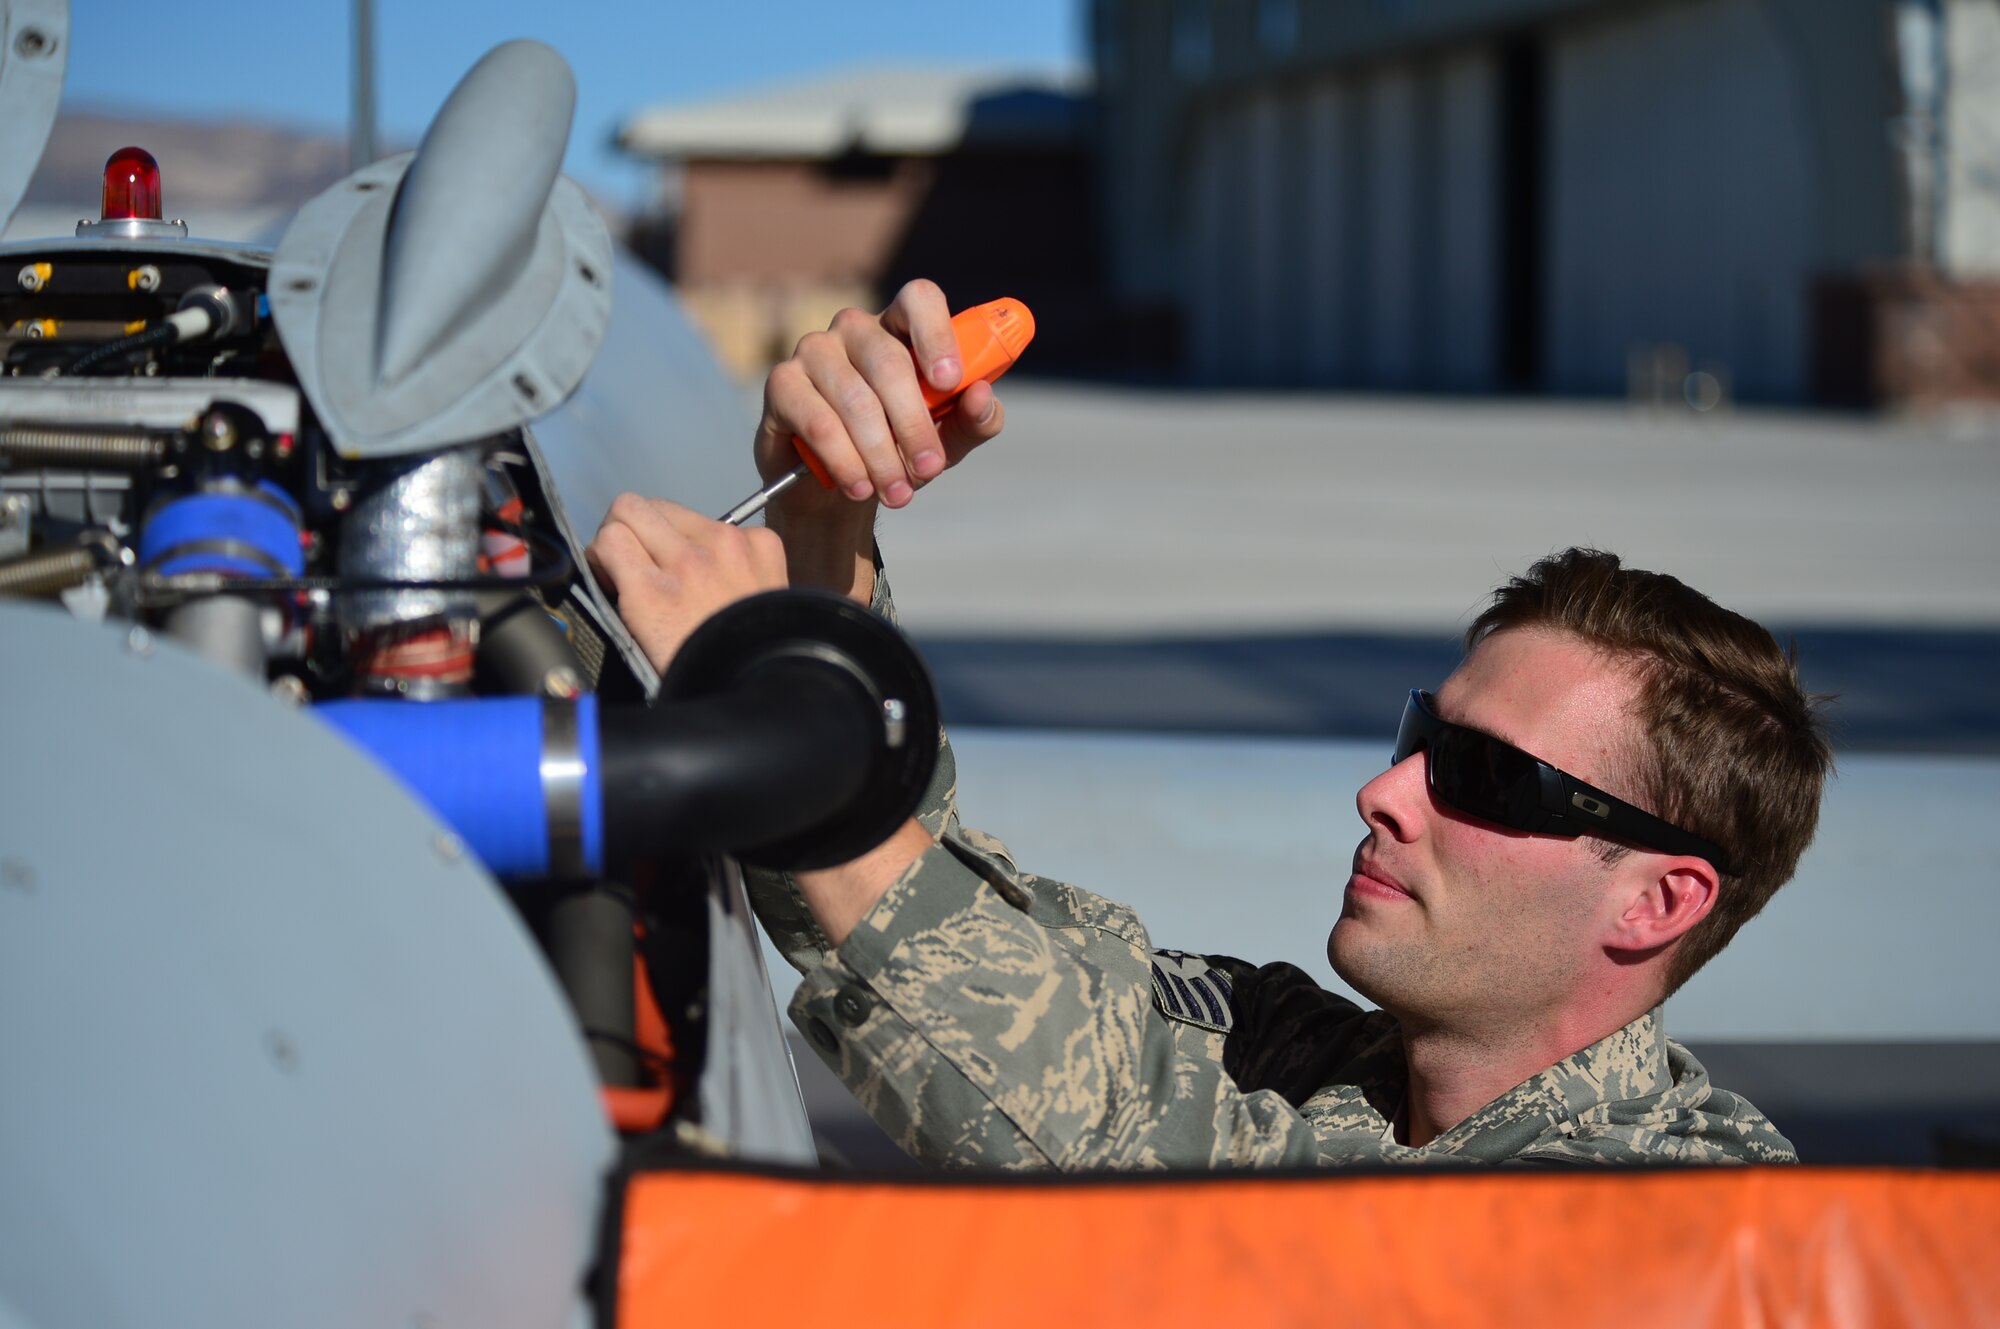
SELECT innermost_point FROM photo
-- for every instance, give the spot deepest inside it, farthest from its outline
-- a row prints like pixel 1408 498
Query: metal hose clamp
pixel 563 773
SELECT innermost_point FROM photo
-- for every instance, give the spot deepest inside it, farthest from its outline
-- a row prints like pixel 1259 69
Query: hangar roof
pixel 896 111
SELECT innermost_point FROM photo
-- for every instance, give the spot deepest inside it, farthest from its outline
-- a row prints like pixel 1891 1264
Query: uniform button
pixel 851 1006
pixel 822 1035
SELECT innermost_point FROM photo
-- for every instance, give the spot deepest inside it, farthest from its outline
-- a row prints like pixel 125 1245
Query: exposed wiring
pixel 160 334
pixel 558 566
pixel 204 311
pixel 657 1060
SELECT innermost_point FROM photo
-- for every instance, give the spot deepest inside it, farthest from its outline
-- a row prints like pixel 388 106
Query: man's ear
pixel 1673 893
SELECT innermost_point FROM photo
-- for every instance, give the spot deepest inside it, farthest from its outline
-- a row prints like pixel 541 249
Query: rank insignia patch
pixel 1187 987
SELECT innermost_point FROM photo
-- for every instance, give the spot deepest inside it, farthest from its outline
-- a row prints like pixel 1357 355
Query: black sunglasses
pixel 1497 782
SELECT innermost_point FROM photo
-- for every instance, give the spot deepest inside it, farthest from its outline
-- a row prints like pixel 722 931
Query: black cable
pixel 659 1062
pixel 159 335
pixel 556 573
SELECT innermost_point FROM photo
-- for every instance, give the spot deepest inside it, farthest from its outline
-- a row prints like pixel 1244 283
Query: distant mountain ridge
pixel 205 165
pixel 228 179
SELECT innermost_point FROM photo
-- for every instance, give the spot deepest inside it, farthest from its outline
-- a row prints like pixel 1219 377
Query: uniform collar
pixel 1629 1063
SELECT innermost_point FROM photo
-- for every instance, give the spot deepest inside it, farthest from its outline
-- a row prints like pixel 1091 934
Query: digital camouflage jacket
pixel 987 1018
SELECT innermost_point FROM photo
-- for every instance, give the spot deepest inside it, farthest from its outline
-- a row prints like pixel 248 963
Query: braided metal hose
pixel 50 572
pixel 83 449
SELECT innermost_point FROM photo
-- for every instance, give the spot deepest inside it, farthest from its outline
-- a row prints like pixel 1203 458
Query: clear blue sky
pixel 286 61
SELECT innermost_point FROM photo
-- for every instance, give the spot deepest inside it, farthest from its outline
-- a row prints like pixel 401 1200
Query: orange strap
pixel 1749 1247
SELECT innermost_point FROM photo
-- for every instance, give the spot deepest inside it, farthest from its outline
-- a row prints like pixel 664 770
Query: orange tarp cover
pixel 1764 1247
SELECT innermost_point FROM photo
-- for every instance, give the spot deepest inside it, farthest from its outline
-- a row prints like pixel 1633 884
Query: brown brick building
pixel 778 208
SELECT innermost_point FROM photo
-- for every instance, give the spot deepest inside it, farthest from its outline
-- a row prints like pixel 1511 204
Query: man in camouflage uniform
pixel 989 1018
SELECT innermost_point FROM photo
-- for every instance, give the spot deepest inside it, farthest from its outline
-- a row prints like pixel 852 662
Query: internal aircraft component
pixel 787 739
pixel 745 658
pixel 523 648
pixel 204 311
pixel 422 525
pixel 519 779
pixel 225 527
pixel 53 571
pixel 81 449
pixel 233 530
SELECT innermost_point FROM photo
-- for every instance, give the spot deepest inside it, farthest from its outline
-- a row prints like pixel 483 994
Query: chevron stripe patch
pixel 1188 988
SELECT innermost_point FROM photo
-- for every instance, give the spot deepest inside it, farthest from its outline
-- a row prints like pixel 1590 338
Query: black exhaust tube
pixel 793 730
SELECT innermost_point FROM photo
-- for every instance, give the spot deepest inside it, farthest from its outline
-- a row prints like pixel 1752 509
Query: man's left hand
pixel 670 568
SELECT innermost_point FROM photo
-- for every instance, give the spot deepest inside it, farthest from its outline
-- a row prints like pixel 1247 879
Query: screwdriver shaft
pixel 754 504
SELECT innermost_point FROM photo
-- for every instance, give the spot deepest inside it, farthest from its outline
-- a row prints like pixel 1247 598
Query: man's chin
pixel 1342 952
pixel 1356 959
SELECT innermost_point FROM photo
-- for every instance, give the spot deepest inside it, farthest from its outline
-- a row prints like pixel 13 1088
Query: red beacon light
pixel 131 209
pixel 131 186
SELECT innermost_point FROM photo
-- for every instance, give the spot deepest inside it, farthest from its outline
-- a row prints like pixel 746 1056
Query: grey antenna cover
pixel 34 55
pixel 456 292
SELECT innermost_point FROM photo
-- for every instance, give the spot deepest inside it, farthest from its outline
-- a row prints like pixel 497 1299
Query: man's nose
pixel 1396 801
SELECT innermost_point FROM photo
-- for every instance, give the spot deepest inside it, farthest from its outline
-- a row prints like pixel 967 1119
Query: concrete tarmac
pixel 1290 564
pixel 1114 511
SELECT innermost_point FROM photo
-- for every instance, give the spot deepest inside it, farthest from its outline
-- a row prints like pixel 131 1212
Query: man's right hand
pixel 854 396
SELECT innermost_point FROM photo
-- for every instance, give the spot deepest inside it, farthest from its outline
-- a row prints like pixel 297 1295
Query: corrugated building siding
pixel 1476 195
pixel 1680 198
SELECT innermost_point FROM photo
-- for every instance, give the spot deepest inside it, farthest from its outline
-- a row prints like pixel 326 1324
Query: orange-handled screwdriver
pixel 990 337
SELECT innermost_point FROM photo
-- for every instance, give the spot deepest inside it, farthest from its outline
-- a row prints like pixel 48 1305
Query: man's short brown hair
pixel 1733 748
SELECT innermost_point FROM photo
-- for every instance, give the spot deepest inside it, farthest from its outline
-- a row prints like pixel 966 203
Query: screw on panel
pixel 562 682
pixel 699 1140
pixel 342 500
pixel 291 689
pixel 145 278
pixel 33 277
pixel 17 876
pixel 13 510
pixel 218 432
pixel 139 642
pixel 33 44
pixel 447 847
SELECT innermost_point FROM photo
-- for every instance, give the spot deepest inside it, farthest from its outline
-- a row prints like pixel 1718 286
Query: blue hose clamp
pixel 237 532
